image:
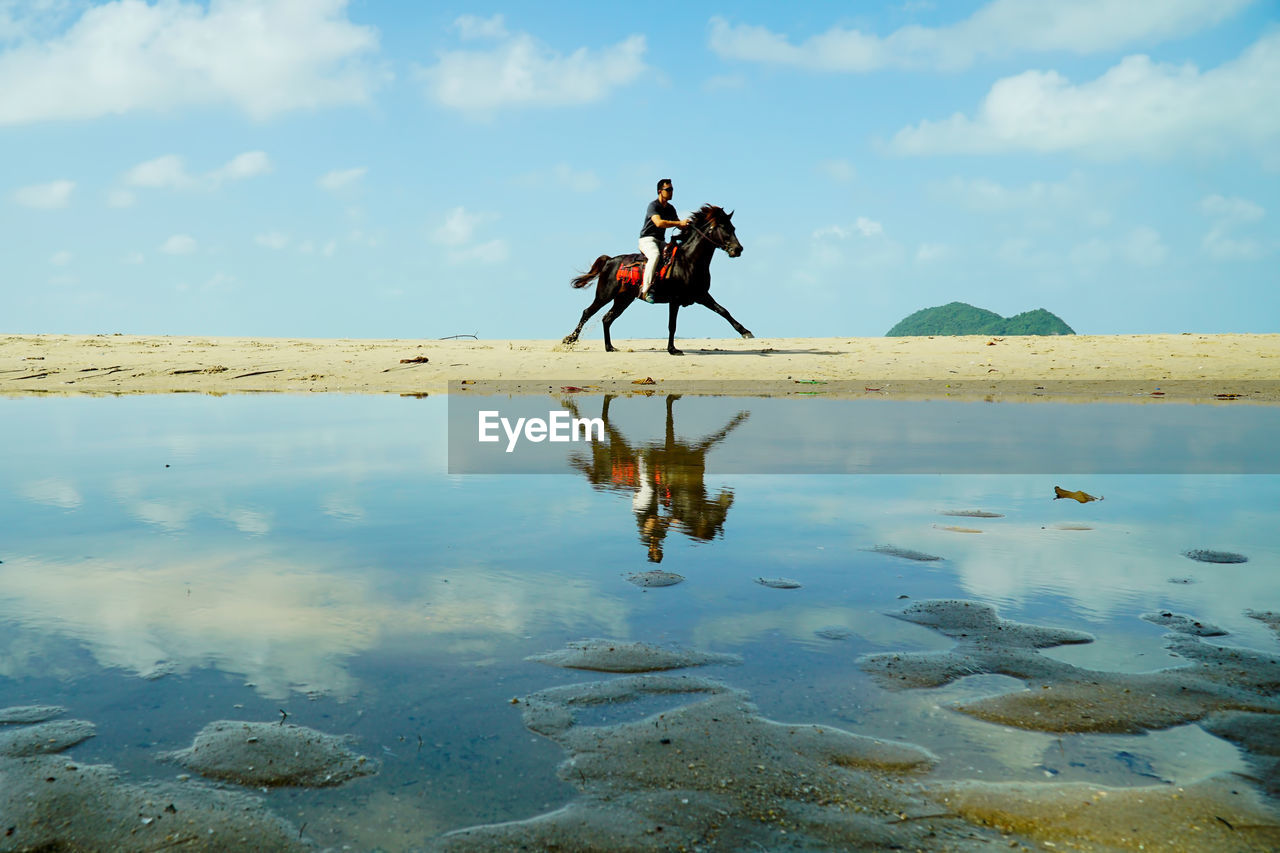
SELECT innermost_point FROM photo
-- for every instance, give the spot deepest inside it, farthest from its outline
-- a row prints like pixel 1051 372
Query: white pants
pixel 650 249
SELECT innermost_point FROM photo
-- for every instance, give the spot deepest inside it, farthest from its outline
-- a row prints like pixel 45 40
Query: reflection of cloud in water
pixel 1117 569
pixel 282 627
pixel 342 507
pixel 52 492
pixel 799 623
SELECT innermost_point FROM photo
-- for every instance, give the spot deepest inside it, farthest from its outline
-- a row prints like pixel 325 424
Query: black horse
pixel 688 281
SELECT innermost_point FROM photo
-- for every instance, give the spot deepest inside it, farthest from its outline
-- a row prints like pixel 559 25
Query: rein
pixel 707 236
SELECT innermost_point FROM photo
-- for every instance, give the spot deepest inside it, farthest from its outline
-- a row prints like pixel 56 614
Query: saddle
pixel 631 270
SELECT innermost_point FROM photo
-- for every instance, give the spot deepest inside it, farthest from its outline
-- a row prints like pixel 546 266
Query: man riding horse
pixel 684 274
pixel 658 217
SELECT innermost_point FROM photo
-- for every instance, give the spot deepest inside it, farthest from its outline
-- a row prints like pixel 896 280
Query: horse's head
pixel 718 227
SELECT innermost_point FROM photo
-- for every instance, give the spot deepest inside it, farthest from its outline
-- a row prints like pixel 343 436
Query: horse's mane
pixel 702 218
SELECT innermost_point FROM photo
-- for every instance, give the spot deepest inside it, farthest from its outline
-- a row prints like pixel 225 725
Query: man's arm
pixel 668 223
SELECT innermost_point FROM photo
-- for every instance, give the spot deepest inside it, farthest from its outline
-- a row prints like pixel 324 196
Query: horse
pixel 687 282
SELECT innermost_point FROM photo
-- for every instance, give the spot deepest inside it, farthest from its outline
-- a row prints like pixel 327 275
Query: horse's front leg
pixel 705 299
pixel 671 329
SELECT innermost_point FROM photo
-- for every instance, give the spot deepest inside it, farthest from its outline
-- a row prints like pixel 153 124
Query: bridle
pixel 708 238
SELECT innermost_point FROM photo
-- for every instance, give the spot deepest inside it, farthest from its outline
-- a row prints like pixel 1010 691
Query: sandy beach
pixel 1189 367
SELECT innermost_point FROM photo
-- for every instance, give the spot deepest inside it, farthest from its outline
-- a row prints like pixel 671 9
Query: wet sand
pixel 1191 367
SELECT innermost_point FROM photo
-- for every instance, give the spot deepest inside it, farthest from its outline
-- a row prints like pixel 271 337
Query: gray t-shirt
pixel 664 211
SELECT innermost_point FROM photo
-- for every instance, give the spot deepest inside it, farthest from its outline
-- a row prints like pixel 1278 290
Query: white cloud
pixel 458 227
pixel 48 196
pixel 1223 242
pixel 999 29
pixel 167 172
pixel 1094 252
pixel 868 228
pixel 121 198
pixel 61 259
pixel 179 244
pixel 1232 209
pixel 458 234
pixel 1143 247
pixel 863 245
pixel 473 27
pixel 562 177
pixel 1138 107
pixel 250 164
pixel 987 195
pixel 838 170
pixel 170 172
pixel 261 56
pixel 931 252
pixel 339 178
pixel 488 252
pixel 272 240
pixel 521 71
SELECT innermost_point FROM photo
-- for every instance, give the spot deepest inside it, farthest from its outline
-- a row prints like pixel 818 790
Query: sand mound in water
pixel 44 738
pixel 30 713
pixel 49 803
pixel 1215 814
pixel 613 656
pixel 714 773
pixel 1066 698
pixel 270 755
pixel 1183 624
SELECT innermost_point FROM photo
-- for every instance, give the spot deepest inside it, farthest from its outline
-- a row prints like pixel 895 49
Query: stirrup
pixel 648 297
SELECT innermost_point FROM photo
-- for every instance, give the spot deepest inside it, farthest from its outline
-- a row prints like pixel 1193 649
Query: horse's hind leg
pixel 620 303
pixel 706 300
pixel 596 305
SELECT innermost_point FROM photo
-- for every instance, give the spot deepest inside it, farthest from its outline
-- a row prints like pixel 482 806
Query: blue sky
pixel 323 168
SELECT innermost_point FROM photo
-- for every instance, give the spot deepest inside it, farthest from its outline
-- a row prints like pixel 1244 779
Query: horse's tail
pixel 596 268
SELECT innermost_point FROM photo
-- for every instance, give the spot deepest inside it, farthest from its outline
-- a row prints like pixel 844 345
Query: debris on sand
pixel 1183 624
pixel 654 577
pixel 714 773
pixel 44 738
pixel 271 754
pixel 613 656
pixel 972 513
pixel 954 529
pixel 905 553
pixel 778 583
pixel 49 803
pixel 1082 497
pixel 1201 555
pixel 30 713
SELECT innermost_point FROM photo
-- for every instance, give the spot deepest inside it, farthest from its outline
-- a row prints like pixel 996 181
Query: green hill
pixel 958 318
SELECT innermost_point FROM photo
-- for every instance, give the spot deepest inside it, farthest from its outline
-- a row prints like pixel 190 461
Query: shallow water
pixel 170 561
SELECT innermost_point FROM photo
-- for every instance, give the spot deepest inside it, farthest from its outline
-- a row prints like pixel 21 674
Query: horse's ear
pixel 729 215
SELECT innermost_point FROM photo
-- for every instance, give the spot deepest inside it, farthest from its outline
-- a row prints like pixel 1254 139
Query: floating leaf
pixel 1083 497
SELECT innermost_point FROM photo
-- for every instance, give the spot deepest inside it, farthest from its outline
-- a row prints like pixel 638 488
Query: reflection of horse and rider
pixel 666 480
pixel 679 274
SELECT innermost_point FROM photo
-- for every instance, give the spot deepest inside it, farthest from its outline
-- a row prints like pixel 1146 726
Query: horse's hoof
pixel 675 351
pixel 747 335
pixel 610 349
pixel 572 339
